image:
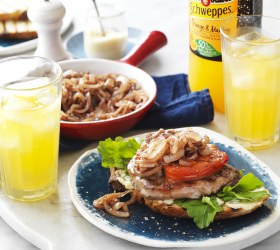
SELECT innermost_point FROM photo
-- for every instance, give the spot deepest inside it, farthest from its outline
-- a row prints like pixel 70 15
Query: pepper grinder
pixel 46 16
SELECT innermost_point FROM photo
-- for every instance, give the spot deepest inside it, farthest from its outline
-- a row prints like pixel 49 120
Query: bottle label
pixel 206 17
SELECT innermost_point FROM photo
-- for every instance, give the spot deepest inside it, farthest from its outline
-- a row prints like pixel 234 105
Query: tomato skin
pixel 200 168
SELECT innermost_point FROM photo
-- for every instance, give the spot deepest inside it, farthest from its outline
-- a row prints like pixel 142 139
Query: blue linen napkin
pixel 177 106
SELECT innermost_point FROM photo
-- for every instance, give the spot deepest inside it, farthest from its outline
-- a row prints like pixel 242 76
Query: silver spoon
pixel 99 20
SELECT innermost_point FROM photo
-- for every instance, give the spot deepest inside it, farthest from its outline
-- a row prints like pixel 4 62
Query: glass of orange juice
pixel 30 100
pixel 251 64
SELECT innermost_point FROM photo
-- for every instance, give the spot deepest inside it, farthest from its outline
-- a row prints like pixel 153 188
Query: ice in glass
pixel 30 103
pixel 251 62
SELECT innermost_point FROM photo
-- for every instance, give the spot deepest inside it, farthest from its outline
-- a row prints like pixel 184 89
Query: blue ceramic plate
pixel 12 46
pixel 75 44
pixel 88 181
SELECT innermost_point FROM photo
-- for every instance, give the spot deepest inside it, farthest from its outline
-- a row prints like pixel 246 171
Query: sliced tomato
pixel 199 168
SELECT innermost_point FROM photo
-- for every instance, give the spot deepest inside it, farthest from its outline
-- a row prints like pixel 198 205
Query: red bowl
pixel 96 130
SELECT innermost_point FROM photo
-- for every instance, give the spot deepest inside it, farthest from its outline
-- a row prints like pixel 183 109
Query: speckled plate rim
pixel 237 240
pixel 31 44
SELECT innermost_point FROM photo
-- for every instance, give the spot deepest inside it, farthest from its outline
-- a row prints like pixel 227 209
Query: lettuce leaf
pixel 248 182
pixel 203 210
pixel 117 153
pixel 244 190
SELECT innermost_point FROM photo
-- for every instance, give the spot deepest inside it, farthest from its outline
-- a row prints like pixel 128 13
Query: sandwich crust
pixel 177 211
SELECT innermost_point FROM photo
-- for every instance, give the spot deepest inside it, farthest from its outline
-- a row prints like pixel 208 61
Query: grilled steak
pixel 164 189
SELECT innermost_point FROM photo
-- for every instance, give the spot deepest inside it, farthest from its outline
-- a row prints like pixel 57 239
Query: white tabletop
pixel 171 17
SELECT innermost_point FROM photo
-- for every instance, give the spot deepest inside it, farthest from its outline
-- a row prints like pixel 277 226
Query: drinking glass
pixel 30 100
pixel 251 64
pixel 105 33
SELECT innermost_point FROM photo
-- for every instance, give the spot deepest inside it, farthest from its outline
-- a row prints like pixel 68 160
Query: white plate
pixel 87 181
pixel 23 46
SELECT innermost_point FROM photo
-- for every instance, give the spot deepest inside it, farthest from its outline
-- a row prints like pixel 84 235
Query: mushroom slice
pixel 174 157
pixel 156 150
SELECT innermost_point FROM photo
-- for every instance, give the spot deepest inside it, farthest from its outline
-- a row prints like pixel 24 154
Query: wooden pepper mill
pixel 46 16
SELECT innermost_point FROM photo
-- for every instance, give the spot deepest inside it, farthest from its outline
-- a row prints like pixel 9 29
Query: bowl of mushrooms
pixel 103 98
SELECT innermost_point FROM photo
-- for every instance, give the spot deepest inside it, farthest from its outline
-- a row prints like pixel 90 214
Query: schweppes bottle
pixel 205 59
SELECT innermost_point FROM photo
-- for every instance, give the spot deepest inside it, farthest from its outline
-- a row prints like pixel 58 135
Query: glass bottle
pixel 205 60
pixel 250 7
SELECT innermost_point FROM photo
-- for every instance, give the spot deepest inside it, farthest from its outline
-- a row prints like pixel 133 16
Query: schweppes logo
pixel 217 9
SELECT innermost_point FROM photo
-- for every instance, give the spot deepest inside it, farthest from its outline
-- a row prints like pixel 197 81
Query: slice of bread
pixel 17 30
pixel 14 9
pixel 177 211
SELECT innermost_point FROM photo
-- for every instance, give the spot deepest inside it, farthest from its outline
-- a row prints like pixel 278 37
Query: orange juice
pixel 253 99
pixel 207 79
pixel 29 137
pixel 251 60
pixel 205 67
pixel 34 165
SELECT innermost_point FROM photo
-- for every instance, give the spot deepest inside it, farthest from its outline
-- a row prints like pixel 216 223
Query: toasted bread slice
pixel 177 211
pixel 17 30
pixel 13 9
